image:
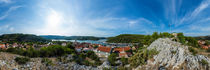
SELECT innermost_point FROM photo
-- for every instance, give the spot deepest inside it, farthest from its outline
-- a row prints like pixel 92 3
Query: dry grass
pixel 203 52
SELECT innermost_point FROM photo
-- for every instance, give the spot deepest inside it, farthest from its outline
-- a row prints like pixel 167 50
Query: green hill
pixel 22 38
pixel 126 38
pixel 203 38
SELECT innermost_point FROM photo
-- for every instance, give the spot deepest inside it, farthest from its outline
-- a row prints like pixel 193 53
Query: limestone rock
pixel 174 56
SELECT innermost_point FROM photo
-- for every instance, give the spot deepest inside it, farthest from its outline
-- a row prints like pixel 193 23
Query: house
pixel 79 48
pixel 205 47
pixel 64 44
pixel 15 45
pixel 175 35
pixel 88 49
pixel 103 51
pixel 121 49
pixel 123 54
pixel 83 46
pixel 201 42
pixel 2 46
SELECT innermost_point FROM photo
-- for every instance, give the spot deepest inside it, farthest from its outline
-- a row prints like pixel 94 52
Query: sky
pixel 104 17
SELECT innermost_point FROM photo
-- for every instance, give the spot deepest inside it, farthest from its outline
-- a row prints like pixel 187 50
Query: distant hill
pixel 53 37
pixel 126 38
pixel 22 38
pixel 72 37
pixel 203 37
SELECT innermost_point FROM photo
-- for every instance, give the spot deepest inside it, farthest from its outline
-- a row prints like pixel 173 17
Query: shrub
pixel 173 52
pixel 124 61
pixel 86 62
pixel 152 52
pixel 192 50
pixel 22 60
pixel 204 62
pixel 123 68
pixel 47 61
pixel 55 50
pixel 2 50
pixel 112 58
pixel 141 57
pixel 208 50
pixel 107 68
pixel 31 52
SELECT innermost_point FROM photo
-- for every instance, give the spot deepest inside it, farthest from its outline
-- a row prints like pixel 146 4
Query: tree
pixel 147 40
pixel 124 61
pixel 112 58
pixel 192 41
pixel 141 57
pixel 69 45
pixel 22 60
pixel 181 38
pixel 160 35
pixel 208 50
pixel 155 35
pixel 166 34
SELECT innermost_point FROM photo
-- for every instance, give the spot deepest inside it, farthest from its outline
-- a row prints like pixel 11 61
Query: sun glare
pixel 54 19
pixel 53 22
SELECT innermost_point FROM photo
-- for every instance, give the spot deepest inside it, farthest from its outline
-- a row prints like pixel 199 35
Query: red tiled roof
pixel 122 48
pixel 104 49
pixel 2 45
pixel 205 47
pixel 122 54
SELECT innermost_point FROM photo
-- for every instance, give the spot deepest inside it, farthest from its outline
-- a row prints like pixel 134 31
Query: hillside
pixel 53 37
pixel 126 38
pixel 22 38
pixel 203 38
pixel 172 56
pixel 72 37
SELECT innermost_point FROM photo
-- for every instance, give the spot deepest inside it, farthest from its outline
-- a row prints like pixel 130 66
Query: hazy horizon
pixel 104 18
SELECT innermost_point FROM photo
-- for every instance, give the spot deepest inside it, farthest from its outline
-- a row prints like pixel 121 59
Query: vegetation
pixel 55 50
pixel 173 52
pixel 88 58
pixel 22 60
pixel 193 50
pixel 107 68
pixel 21 38
pixel 47 61
pixel 148 39
pixel 112 58
pixel 124 61
pixel 203 38
pixel 204 62
pixel 141 57
pixel 192 42
pixel 208 50
pixel 126 38
pixel 50 51
pixel 123 68
pixel 84 58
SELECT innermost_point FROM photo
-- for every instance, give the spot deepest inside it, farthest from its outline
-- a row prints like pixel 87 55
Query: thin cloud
pixel 9 11
pixel 191 16
pixel 5 1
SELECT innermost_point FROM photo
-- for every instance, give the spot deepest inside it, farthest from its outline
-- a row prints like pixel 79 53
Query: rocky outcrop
pixel 174 56
pixel 7 62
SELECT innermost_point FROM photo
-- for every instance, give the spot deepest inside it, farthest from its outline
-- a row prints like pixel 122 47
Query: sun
pixel 54 19
pixel 53 23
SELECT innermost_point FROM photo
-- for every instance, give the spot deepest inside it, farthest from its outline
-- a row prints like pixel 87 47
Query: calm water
pixel 102 41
